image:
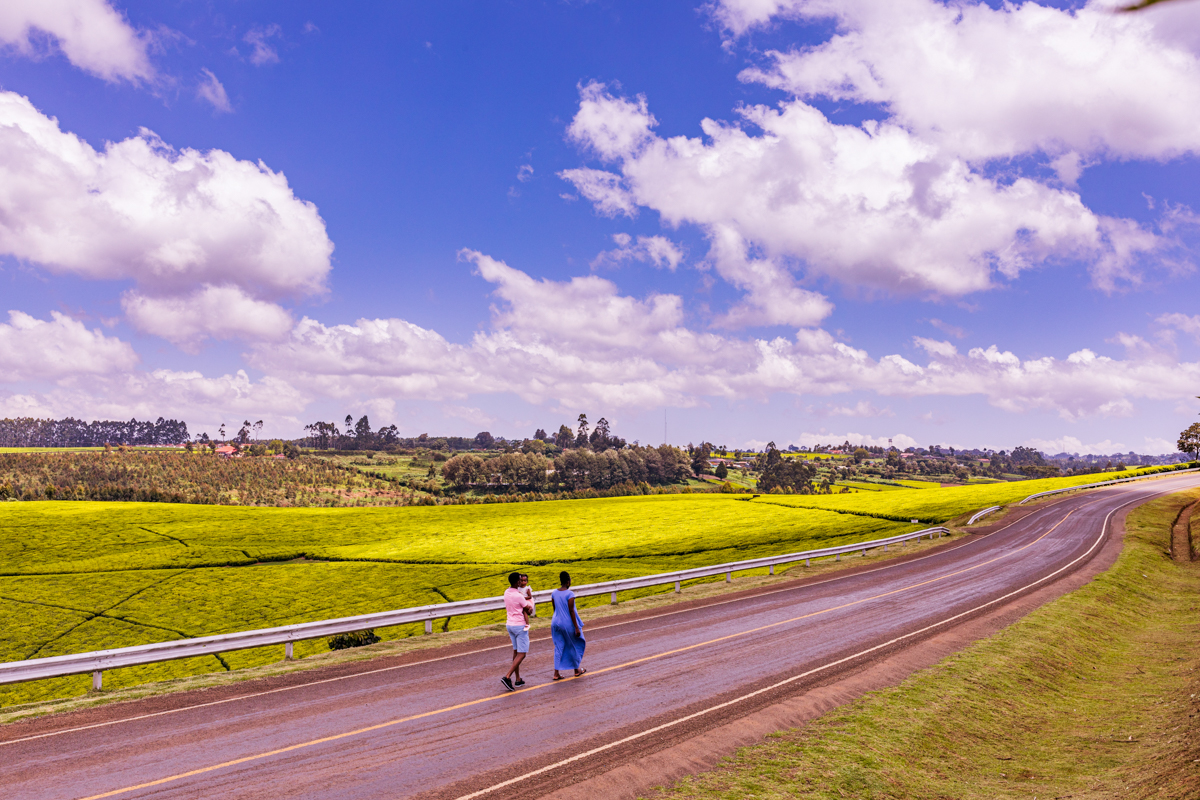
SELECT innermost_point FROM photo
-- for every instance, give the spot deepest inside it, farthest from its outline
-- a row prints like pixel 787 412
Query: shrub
pixel 344 641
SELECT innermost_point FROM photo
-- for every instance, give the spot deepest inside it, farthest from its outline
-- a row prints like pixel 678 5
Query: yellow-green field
pixel 78 576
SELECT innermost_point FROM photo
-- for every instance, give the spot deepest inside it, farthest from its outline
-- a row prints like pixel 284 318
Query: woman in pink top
pixel 515 605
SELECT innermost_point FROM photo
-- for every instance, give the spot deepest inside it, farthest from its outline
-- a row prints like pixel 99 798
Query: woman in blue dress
pixel 566 628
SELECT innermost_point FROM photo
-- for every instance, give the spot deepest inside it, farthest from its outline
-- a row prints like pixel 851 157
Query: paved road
pixel 444 728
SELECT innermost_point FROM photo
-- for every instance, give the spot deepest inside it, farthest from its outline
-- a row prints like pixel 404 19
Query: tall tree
pixel 581 437
pixel 1189 440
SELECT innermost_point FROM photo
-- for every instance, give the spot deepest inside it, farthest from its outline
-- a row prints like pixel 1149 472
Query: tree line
pixel 71 432
pixel 573 470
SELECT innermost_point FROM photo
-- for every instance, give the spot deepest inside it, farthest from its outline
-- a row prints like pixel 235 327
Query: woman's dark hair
pixel 514 579
pixel 564 578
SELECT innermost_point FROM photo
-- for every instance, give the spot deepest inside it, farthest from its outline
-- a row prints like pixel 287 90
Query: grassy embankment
pixel 80 576
pixel 1091 696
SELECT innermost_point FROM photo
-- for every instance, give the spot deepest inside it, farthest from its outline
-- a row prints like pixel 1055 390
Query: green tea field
pixel 78 576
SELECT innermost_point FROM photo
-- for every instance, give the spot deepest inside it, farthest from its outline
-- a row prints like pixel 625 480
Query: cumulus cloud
pixel 33 349
pixel 219 312
pixel 210 90
pixel 872 206
pixel 172 221
pixel 658 251
pixel 924 199
pixel 581 343
pixel 1020 78
pixel 141 210
pixel 90 34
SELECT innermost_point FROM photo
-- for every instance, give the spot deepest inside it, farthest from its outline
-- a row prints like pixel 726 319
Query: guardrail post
pixel 613 602
pixel 806 562
pixel 287 651
pixel 97 680
pixel 772 572
pixel 885 548
pixel 838 557
pixel 864 552
pixel 729 577
pixel 676 587
pixel 428 626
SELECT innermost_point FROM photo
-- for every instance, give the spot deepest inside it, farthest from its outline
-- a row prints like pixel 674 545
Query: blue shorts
pixel 519 636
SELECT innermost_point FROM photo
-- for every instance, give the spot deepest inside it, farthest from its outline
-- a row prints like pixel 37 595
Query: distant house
pixel 226 450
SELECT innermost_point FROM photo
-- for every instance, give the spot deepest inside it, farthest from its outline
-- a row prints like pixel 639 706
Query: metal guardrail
pixel 98 661
pixel 981 514
pixel 1107 483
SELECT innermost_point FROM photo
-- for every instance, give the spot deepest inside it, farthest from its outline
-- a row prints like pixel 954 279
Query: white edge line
pixel 794 678
pixel 473 652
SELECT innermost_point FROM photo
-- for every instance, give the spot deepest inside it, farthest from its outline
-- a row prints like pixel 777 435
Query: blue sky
pixel 785 220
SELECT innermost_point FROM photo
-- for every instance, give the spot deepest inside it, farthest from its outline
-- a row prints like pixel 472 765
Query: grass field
pixel 1092 696
pixel 77 576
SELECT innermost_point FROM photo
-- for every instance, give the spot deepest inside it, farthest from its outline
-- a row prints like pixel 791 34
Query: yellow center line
pixel 601 671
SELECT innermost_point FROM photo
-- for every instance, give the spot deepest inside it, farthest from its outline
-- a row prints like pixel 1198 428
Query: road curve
pixel 444 728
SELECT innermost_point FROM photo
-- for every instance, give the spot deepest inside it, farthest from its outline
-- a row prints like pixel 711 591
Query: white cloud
pixel 870 206
pixel 936 348
pixel 658 251
pixel 604 189
pixel 525 173
pixel 90 33
pixel 259 38
pixel 1184 323
pixel 171 221
pixel 1016 79
pixel 1074 446
pixel 1158 447
pixel 219 312
pixel 581 343
pixel 863 408
pixel 924 199
pixel 203 402
pixel 211 90
pixel 613 127
pixel 33 349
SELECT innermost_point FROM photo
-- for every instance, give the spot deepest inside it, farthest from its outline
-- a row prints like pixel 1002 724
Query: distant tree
pixel 541 436
pixel 258 426
pixel 388 435
pixel 362 432
pixel 581 438
pixel 860 454
pixel 599 440
pixel 243 435
pixel 565 437
pixel 484 440
pixel 700 456
pixel 349 424
pixel 221 432
pixel 1189 440
pixel 463 470
pixel 722 471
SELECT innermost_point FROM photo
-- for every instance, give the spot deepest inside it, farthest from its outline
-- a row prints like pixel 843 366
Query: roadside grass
pixel 1093 695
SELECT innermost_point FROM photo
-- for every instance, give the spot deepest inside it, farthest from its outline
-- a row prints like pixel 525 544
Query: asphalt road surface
pixel 444 727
